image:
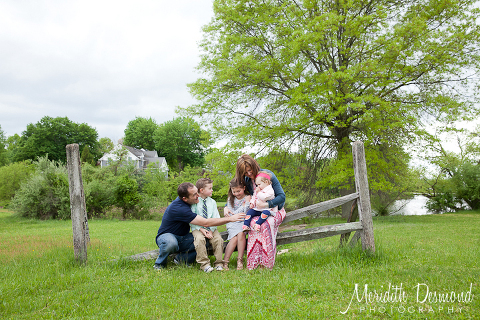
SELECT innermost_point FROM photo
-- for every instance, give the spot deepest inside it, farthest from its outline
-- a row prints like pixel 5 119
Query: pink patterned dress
pixel 262 246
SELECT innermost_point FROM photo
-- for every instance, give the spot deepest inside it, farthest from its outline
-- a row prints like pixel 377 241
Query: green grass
pixel 313 280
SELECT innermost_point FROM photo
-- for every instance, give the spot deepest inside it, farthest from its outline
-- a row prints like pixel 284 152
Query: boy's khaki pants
pixel 199 241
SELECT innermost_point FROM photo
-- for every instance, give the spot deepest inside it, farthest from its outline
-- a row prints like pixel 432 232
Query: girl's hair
pixel 263 176
pixel 234 183
pixel 243 163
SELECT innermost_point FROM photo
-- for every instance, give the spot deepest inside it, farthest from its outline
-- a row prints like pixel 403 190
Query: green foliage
pixel 45 194
pixel 326 73
pixel 11 177
pixel 86 156
pixel 99 197
pixel 220 167
pixel 140 133
pixel 155 184
pixel 12 147
pixel 126 194
pixel 189 174
pixel 454 185
pixel 105 145
pixel 459 191
pixel 3 148
pixel 51 136
pixel 182 142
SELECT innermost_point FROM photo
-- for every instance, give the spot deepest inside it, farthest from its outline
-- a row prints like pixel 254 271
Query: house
pixel 142 158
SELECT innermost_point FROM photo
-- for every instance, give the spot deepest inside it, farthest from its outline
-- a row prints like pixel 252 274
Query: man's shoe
pixel 176 261
pixel 219 268
pixel 157 267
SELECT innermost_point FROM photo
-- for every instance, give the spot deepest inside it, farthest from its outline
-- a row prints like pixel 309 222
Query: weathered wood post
pixel 77 204
pixel 364 208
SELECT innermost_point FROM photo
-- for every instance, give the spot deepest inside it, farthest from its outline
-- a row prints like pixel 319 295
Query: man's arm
pixel 213 222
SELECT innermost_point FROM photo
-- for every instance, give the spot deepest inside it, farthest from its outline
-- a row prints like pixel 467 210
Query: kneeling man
pixel 173 236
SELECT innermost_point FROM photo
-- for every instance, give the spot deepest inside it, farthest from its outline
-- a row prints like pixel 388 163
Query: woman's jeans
pixel 169 243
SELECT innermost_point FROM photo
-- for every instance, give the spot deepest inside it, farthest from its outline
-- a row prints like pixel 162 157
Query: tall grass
pixel 313 280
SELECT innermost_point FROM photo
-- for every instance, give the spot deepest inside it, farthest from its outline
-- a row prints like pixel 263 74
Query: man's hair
pixel 202 183
pixel 182 190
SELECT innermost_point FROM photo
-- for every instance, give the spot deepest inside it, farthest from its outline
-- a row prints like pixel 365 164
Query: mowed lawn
pixel 425 267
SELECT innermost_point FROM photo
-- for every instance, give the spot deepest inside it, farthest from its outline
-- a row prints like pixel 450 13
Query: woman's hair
pixel 243 163
pixel 234 183
pixel 265 177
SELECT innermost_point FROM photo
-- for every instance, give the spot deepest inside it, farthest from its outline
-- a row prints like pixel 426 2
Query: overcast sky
pixel 97 62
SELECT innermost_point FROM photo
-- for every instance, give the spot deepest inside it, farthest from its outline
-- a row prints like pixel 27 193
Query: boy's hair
pixel 234 183
pixel 202 183
pixel 182 190
pixel 263 177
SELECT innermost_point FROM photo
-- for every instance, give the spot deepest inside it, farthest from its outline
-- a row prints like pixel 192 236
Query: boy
pixel 207 207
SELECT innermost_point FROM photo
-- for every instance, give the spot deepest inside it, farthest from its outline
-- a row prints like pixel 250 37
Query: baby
pixel 263 192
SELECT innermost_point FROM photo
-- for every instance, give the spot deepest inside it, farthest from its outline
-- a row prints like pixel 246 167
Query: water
pixel 411 207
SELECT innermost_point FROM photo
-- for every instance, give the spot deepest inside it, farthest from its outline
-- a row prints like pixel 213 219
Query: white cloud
pixel 99 62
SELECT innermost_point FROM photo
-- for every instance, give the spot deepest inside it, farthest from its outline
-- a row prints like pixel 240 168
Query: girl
pixel 238 202
pixel 263 192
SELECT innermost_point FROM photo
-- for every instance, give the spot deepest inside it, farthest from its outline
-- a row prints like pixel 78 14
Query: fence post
pixel 364 208
pixel 77 203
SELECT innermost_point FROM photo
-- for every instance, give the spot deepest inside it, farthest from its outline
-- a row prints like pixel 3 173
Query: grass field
pixel 434 254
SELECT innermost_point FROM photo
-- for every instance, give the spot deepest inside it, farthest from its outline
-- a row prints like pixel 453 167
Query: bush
pixel 99 197
pixel 459 191
pixel 11 177
pixel 126 194
pixel 45 194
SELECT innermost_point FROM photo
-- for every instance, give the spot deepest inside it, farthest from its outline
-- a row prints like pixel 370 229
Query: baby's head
pixel 263 179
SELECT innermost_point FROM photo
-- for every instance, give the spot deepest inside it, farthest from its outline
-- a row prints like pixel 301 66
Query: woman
pixel 261 246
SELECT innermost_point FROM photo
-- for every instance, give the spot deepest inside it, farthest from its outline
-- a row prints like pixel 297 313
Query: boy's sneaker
pixel 157 267
pixel 219 268
pixel 208 269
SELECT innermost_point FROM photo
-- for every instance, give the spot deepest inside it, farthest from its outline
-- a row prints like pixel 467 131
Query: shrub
pixel 126 194
pixel 99 197
pixel 45 194
pixel 11 177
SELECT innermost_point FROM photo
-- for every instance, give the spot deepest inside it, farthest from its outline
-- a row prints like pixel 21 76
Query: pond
pixel 414 206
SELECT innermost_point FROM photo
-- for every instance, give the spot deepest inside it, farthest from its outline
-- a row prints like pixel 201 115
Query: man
pixel 173 236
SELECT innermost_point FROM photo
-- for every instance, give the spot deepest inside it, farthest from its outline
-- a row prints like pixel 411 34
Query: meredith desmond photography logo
pixel 419 298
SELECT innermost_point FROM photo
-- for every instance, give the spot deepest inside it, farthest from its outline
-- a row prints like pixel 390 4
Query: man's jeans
pixel 169 243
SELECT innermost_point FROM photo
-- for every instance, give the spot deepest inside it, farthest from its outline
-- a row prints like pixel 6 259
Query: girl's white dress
pixel 239 206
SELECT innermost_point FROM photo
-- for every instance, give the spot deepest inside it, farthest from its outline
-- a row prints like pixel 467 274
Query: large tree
pixel 182 142
pixel 329 72
pixel 51 135
pixel 140 133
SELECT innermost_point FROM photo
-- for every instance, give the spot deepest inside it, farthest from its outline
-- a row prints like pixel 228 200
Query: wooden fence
pixel 361 198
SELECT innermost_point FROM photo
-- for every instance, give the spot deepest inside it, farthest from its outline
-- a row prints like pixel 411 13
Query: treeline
pixel 34 182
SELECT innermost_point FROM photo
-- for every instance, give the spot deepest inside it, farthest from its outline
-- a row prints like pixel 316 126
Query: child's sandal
pixel 239 264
